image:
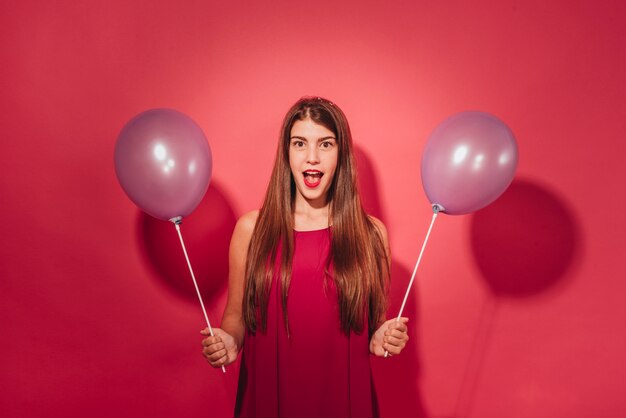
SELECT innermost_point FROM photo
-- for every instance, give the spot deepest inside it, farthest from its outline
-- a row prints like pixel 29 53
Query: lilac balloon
pixel 469 160
pixel 163 162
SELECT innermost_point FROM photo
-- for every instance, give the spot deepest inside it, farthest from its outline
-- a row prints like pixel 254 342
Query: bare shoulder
pixel 248 221
pixel 382 230
pixel 379 225
pixel 244 227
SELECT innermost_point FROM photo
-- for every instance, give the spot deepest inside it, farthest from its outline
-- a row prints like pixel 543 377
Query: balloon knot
pixel 438 208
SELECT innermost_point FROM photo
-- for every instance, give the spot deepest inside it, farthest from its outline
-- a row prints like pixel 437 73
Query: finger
pixel 392 349
pixel 211 340
pixel 398 334
pixel 216 355
pixel 218 363
pixel 397 325
pixel 207 332
pixel 402 319
pixel 213 348
pixel 397 342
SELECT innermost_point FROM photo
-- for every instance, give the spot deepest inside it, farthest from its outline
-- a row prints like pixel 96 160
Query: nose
pixel 313 156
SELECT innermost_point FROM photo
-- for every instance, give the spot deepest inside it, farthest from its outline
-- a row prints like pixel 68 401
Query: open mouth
pixel 312 178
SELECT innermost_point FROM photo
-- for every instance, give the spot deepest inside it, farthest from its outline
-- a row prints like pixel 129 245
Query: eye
pixel 297 143
pixel 327 144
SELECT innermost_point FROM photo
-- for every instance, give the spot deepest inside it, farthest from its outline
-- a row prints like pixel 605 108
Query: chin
pixel 312 195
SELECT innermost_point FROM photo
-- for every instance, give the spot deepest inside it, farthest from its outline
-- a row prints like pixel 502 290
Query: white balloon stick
pixel 436 210
pixel 177 222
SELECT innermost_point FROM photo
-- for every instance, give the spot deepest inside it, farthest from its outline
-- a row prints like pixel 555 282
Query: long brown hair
pixel 360 265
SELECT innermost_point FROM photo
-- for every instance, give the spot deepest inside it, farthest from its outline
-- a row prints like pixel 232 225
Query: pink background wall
pixel 519 309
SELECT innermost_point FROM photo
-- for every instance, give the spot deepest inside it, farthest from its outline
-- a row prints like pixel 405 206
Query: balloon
pixel 163 162
pixel 469 160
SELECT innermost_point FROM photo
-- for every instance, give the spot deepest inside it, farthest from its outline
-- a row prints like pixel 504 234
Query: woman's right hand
pixel 219 349
pixel 222 348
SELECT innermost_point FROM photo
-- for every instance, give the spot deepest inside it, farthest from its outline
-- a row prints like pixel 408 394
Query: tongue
pixel 312 180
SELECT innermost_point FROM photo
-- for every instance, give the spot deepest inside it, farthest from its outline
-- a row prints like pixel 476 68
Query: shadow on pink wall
pixel 206 234
pixel 525 241
pixel 524 244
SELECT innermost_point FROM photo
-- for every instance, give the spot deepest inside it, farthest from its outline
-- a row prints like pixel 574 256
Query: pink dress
pixel 316 371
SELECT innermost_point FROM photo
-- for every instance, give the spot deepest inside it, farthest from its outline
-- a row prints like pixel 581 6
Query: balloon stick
pixel 436 209
pixel 177 221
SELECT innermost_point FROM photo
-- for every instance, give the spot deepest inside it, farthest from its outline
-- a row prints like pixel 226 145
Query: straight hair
pixel 360 264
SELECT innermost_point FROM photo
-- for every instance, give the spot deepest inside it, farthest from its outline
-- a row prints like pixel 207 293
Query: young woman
pixel 308 282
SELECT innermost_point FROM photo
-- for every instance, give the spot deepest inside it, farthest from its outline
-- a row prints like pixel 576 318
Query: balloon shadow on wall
pixel 399 375
pixel 206 234
pixel 524 244
pixel 525 241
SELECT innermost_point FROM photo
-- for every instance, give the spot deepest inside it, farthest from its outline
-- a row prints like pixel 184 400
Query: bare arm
pixel 223 348
pixel 392 335
pixel 382 230
pixel 232 321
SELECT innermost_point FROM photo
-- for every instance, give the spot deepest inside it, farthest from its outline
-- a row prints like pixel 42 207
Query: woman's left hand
pixel 392 336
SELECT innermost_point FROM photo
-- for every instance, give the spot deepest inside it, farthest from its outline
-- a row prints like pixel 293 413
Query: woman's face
pixel 313 154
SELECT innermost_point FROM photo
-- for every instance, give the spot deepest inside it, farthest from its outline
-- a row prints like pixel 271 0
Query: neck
pixel 309 216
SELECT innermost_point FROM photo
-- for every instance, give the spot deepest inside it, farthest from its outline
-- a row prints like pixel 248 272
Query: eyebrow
pixel 319 139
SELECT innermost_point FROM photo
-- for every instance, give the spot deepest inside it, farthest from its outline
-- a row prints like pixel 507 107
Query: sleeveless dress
pixel 315 371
